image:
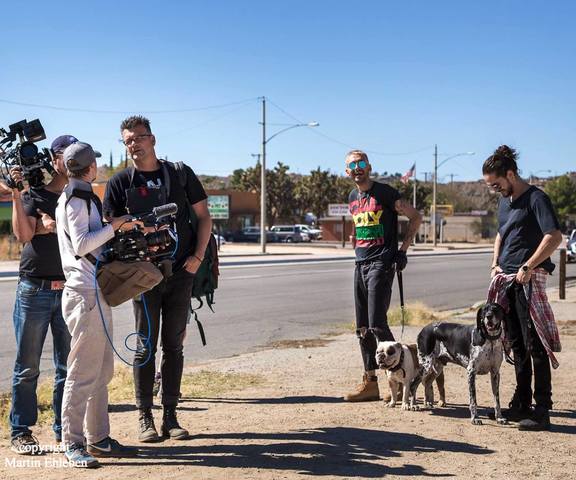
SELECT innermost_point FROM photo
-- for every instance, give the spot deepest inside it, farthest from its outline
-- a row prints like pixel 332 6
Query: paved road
pixel 258 305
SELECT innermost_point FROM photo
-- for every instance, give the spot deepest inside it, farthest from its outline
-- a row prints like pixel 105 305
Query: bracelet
pixel 198 258
pixel 494 266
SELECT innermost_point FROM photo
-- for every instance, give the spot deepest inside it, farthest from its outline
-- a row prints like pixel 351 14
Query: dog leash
pixel 401 289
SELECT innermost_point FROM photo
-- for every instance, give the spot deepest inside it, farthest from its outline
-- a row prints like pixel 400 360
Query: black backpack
pixel 206 278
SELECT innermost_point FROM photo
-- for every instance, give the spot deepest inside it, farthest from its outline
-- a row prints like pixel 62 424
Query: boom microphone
pixel 164 210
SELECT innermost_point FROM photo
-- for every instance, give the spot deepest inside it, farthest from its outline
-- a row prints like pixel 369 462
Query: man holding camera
pixel 152 182
pixel 81 236
pixel 38 300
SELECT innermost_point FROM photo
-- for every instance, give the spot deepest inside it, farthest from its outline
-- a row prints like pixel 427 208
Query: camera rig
pixel 137 245
pixel 18 149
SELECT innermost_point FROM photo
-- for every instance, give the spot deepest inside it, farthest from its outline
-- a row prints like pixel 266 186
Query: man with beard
pixel 375 208
pixel 528 233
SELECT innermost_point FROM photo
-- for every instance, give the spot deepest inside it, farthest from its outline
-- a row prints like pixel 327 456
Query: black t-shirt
pixel 40 256
pixel 116 197
pixel 522 225
pixel 376 222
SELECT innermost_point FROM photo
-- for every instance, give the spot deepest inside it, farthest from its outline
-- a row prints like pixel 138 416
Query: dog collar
pixel 491 337
pixel 398 366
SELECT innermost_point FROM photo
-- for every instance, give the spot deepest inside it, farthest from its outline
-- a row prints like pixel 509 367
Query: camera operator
pixel 38 300
pixel 131 191
pixel 81 235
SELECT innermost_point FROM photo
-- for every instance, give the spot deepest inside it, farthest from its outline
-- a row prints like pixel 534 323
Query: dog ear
pixel 477 337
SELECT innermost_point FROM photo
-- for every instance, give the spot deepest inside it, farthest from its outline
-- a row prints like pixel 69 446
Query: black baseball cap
pixel 60 143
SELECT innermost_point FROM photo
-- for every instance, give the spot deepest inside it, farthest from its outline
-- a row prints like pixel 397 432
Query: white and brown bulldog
pixel 401 365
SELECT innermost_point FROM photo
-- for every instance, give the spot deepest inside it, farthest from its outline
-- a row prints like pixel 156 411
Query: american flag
pixel 408 174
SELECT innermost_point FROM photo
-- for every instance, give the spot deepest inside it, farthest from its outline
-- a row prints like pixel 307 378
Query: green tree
pixel 423 193
pixel 562 193
pixel 280 185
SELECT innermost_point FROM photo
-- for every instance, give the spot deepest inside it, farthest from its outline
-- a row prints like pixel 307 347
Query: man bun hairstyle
pixel 501 161
pixel 133 121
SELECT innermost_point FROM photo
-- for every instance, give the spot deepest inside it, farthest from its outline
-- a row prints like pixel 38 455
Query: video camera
pixel 18 149
pixel 136 245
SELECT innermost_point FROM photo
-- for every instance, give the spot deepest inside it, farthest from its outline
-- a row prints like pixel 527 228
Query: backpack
pixel 206 278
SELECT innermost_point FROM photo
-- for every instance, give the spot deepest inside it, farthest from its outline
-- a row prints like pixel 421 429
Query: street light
pixel 436 165
pixel 263 171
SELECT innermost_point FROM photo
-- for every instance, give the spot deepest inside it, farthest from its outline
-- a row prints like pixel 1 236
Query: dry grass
pixel 45 415
pixel 121 388
pixel 10 248
pixel 303 343
pixel 416 314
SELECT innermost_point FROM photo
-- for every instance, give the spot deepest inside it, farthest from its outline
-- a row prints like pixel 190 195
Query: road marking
pixel 293 274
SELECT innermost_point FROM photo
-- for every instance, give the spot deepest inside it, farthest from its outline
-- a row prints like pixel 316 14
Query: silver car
pixel 290 233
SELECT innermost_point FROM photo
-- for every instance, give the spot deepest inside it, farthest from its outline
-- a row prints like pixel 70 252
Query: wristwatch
pixel 525 268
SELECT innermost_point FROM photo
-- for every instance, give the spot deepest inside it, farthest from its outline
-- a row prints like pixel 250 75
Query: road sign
pixel 338 210
pixel 219 207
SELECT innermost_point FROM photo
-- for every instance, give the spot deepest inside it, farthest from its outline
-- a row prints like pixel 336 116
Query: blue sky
pixel 393 78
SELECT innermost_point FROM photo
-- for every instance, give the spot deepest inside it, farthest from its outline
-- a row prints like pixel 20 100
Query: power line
pixel 126 112
pixel 316 131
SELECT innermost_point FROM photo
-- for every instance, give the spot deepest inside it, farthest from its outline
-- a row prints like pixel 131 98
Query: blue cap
pixel 59 144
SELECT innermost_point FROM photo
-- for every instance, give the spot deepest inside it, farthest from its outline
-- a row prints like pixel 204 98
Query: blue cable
pixel 146 339
pixel 175 237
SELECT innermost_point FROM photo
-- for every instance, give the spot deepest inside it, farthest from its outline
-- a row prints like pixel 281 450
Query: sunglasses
pixel 358 164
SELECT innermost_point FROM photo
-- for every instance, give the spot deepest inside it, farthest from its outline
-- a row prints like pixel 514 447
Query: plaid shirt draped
pixel 540 310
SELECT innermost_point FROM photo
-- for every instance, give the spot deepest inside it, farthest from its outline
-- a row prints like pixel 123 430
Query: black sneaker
pixel 538 422
pixel 148 432
pixel 25 444
pixel 110 448
pixel 170 426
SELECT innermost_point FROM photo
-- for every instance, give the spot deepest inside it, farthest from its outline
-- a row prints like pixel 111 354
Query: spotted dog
pixel 401 365
pixel 478 348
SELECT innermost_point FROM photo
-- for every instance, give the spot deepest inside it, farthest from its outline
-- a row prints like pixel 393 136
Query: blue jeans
pixel 34 311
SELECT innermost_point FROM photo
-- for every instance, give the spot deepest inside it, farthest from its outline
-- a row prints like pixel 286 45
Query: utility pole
pixel 414 188
pixel 263 182
pixel 257 157
pixel 433 219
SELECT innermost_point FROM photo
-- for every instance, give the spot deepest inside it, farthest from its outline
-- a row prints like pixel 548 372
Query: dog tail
pixel 426 340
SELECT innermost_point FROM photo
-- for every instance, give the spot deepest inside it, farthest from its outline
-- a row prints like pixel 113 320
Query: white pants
pixel 90 367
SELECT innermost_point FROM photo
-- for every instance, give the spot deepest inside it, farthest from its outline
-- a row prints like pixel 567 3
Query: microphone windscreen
pixel 165 210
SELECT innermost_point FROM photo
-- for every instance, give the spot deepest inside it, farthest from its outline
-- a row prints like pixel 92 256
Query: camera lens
pixel 28 151
pixel 157 239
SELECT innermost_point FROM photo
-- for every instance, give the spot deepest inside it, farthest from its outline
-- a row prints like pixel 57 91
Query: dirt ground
pixel 296 426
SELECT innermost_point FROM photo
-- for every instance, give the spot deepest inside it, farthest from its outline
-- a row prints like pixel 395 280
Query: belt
pixel 44 284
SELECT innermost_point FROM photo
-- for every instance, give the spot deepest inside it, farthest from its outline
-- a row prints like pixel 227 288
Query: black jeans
pixel 171 298
pixel 529 353
pixel 372 291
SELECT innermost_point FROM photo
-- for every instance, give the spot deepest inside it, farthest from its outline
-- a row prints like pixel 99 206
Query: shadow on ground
pixel 268 401
pixel 338 451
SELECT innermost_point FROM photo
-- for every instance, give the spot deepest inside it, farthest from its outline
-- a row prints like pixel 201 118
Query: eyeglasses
pixel 136 139
pixel 358 164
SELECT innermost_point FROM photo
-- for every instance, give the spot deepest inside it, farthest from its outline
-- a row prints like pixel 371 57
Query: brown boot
pixel 366 392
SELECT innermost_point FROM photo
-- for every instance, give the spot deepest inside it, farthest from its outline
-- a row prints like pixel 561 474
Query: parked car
pixel 290 233
pixel 252 234
pixel 313 233
pixel 571 247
